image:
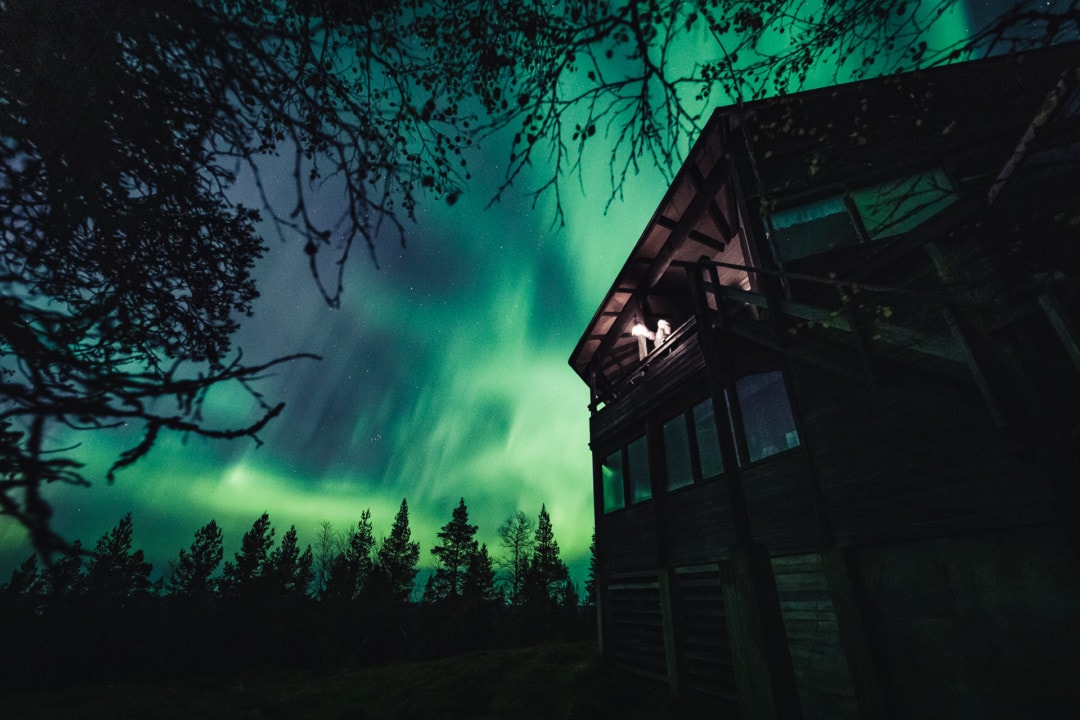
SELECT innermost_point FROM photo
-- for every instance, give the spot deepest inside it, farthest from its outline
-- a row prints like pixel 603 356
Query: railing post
pixel 858 331
pixel 764 674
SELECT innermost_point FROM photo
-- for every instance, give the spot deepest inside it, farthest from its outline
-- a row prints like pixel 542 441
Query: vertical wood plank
pixel 765 677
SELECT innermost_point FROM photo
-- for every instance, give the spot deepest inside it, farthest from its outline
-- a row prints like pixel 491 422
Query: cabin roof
pixel 801 143
pixel 690 222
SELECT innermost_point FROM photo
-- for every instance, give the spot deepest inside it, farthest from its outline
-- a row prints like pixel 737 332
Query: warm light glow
pixel 663 331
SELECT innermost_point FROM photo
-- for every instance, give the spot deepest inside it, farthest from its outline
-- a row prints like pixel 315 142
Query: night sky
pixel 444 375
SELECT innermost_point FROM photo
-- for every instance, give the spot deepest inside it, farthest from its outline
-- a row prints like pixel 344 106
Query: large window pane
pixel 680 471
pixel 766 415
pixel 712 463
pixel 614 489
pixel 898 206
pixel 638 459
pixel 813 228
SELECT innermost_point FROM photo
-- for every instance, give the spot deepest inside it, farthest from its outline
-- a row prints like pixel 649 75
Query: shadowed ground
pixel 550 681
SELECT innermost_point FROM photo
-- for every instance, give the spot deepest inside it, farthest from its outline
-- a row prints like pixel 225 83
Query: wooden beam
pixel 714 210
pixel 667 623
pixel 695 235
pixel 764 674
pixel 851 622
pixel 1063 325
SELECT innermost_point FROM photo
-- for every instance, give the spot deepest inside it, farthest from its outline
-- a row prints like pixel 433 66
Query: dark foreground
pixel 565 680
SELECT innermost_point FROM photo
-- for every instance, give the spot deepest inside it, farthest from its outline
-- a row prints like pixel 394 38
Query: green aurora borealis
pixel 444 375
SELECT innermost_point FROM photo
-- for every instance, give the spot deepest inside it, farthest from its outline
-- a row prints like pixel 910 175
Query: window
pixel 680 471
pixel 898 206
pixel 811 229
pixel 766 415
pixel 614 490
pixel 708 442
pixel 637 455
pixel 885 210
pixel 691 442
pixel 625 477
pixel 692 447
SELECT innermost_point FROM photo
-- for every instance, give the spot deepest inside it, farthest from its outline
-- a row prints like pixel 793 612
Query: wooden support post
pixel 763 670
pixel 764 674
pixel 963 335
pixel 858 331
pixel 601 579
pixel 1063 325
pixel 967 337
pixel 861 660
pixel 667 621
pixel 601 604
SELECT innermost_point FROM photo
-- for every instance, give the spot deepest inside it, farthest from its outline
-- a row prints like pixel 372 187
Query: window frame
pixel 849 197
pixel 633 485
pixel 738 418
pixel 626 474
pixel 656 446
pixel 694 444
pixel 691 447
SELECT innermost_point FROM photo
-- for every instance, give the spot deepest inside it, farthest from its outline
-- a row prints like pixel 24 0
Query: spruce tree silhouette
pixel 397 558
pixel 454 551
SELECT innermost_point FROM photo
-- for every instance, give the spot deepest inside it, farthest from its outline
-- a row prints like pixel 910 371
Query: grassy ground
pixel 549 681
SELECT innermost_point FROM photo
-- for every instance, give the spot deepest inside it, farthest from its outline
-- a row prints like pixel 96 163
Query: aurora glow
pixel 444 376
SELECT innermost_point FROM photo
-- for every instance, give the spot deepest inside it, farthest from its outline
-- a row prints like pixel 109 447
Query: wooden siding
pixel 704 645
pixel 697 523
pixel 682 365
pixel 780 501
pixel 817 655
pixel 635 637
pixel 628 539
pixel 978 626
pixel 895 465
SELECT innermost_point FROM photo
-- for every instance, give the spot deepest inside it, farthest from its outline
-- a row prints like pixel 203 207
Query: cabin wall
pixel 781 502
pixel 975 626
pixel 696 523
pixel 813 634
pixel 629 539
pixel 947 521
pixel 704 643
pixel 896 464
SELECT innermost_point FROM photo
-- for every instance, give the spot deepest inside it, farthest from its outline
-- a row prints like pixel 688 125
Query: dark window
pixel 897 206
pixel 613 482
pixel 637 455
pixel 692 447
pixel 677 452
pixel 811 229
pixel 708 442
pixel 766 415
pixel 885 210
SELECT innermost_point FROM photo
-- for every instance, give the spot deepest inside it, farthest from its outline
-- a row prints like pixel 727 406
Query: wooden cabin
pixel 835 404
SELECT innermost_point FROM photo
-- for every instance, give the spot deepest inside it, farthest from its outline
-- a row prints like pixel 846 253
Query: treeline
pixel 97 614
